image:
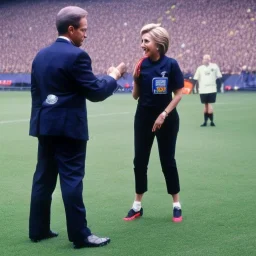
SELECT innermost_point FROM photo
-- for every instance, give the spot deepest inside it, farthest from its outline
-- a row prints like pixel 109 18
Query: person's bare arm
pixel 135 91
pixel 175 101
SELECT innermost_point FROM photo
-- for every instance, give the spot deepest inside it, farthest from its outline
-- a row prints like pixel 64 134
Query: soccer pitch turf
pixel 217 170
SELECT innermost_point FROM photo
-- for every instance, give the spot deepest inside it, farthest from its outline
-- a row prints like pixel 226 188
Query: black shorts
pixel 208 97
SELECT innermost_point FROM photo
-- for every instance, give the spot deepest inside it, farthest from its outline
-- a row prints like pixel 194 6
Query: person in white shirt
pixel 206 76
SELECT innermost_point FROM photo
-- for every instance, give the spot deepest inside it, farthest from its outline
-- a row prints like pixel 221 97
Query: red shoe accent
pixel 177 219
pixel 137 215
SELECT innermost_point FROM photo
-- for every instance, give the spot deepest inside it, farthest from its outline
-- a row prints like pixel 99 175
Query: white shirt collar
pixel 65 38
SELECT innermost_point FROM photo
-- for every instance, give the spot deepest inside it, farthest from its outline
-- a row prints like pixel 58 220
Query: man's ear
pixel 71 30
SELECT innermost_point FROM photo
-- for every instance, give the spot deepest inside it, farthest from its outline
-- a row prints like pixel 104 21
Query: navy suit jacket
pixel 61 81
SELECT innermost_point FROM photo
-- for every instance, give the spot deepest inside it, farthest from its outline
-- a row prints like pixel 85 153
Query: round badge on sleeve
pixel 51 99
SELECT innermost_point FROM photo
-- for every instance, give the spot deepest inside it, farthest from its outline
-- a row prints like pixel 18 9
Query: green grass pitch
pixel 217 170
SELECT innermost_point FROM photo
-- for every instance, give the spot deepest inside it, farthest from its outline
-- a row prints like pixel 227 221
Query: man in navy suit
pixel 61 81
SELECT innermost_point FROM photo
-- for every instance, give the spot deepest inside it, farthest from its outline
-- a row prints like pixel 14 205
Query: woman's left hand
pixel 159 122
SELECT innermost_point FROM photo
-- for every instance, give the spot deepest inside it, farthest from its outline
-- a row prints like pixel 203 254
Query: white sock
pixel 177 205
pixel 136 206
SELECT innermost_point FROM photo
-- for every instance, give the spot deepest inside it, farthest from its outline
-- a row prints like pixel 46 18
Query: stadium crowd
pixel 225 29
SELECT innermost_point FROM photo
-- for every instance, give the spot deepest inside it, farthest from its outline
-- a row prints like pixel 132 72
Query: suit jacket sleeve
pixel 89 85
pixel 36 104
pixel 35 91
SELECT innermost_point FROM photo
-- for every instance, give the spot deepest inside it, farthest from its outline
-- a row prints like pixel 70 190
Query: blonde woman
pixel 156 77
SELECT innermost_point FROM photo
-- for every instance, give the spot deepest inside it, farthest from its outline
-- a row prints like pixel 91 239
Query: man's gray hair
pixel 69 16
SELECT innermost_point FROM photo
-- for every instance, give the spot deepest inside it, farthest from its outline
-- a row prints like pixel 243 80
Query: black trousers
pixel 166 139
pixel 66 157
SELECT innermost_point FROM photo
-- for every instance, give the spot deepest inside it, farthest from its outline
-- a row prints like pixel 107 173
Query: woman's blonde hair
pixel 161 38
pixel 159 35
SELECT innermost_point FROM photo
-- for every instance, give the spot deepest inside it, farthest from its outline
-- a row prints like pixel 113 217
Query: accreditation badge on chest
pixel 159 85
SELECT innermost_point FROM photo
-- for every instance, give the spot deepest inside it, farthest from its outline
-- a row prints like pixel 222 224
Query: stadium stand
pixel 225 29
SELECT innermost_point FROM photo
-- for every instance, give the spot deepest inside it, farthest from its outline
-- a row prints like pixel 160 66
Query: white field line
pixel 89 116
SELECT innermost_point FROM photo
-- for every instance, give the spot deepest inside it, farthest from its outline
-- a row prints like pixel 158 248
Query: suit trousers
pixel 166 139
pixel 66 157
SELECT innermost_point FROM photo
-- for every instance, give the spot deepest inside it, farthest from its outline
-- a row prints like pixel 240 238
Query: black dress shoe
pixel 203 125
pixel 51 234
pixel 93 241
